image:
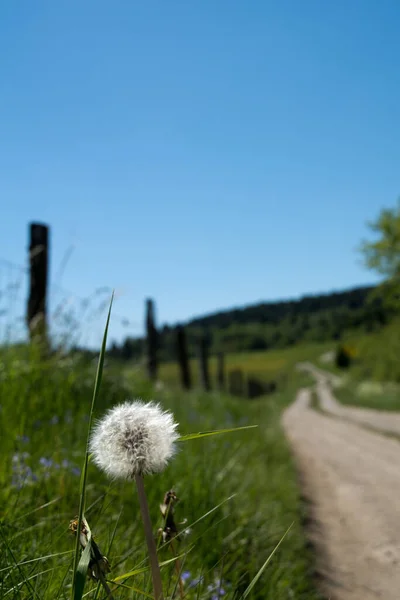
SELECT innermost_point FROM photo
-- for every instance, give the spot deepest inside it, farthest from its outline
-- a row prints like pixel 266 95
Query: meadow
pixel 369 395
pixel 237 492
pixel 373 378
pixel 265 365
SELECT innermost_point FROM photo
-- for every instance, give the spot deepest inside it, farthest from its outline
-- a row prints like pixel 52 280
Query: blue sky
pixel 208 154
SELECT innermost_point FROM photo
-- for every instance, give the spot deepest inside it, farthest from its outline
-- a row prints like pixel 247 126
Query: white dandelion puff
pixel 133 439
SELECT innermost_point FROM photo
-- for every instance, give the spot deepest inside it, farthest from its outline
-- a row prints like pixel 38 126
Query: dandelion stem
pixel 151 544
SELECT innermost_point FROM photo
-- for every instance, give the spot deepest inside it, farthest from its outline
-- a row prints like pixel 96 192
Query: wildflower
pixel 22 473
pixel 134 439
pixel 20 457
pixel 54 420
pixel 170 530
pixel 76 471
pixel 195 582
pixel 217 589
pixel 185 575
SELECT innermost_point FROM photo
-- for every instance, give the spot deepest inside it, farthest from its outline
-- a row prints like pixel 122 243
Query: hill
pixel 267 325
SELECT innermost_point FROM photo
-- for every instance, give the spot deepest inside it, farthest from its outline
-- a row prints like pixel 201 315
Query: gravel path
pixel 384 420
pixel 352 478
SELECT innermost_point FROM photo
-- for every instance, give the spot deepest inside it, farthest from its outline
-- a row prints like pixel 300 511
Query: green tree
pixel 383 255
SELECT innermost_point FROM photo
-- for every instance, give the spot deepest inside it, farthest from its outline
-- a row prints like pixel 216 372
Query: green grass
pixel 266 365
pixel 239 489
pixel 381 397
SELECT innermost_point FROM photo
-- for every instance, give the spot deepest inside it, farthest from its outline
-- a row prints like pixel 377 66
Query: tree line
pixel 270 325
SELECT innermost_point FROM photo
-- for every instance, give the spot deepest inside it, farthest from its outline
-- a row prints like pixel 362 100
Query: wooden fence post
pixel 221 371
pixel 183 358
pixel 38 276
pixel 151 341
pixel 255 387
pixel 203 364
pixel 236 382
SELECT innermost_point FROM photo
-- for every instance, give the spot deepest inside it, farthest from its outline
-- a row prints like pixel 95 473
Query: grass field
pixel 369 395
pixel 237 491
pixel 265 365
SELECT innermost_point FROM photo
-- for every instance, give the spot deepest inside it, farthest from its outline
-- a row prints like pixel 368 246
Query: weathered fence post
pixel 255 387
pixel 38 275
pixel 203 364
pixel 221 371
pixel 151 341
pixel 236 382
pixel 183 358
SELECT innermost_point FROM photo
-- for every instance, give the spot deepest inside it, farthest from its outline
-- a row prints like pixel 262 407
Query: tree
pixel 383 254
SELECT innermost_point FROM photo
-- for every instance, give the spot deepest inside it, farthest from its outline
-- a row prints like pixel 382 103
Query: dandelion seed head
pixel 134 438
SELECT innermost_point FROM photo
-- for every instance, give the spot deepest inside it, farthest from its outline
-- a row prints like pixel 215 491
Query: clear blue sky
pixel 208 154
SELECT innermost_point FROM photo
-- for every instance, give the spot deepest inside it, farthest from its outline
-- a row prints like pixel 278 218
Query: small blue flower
pixel 24 439
pixel 65 463
pixel 46 462
pixel 17 482
pixel 19 457
pixel 185 575
pixel 54 420
pixel 217 589
pixel 22 473
pixel 76 471
pixel 196 581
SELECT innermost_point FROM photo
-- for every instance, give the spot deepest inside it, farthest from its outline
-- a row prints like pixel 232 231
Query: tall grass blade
pixel 134 589
pixel 32 560
pixel 144 569
pixel 201 434
pixel 260 572
pixel 85 465
pixel 82 571
pixel 25 579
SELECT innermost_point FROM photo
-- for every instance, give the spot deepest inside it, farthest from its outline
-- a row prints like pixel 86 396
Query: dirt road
pixel 352 478
pixel 382 420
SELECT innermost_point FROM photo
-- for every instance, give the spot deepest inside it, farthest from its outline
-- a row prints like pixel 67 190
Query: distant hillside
pixel 272 324
pixel 272 312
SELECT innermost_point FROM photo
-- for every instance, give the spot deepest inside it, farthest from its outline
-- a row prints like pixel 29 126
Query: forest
pixel 270 325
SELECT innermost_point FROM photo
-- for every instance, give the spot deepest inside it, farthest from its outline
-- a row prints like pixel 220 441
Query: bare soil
pixel 351 477
pixel 386 421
